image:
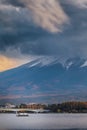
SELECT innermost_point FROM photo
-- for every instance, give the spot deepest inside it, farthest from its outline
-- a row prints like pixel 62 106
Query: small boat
pixel 21 113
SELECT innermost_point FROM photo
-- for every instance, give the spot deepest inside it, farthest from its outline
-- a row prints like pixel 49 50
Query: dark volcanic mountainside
pixel 35 82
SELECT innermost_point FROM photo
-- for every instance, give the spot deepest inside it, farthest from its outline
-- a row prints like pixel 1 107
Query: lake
pixel 43 121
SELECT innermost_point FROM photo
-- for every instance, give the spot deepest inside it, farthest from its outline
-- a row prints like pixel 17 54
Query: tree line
pixel 68 107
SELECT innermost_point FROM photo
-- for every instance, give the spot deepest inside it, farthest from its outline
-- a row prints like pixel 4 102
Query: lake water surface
pixel 43 121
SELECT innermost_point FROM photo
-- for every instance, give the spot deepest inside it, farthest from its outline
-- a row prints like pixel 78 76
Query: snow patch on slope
pixel 43 61
pixel 69 65
pixel 84 65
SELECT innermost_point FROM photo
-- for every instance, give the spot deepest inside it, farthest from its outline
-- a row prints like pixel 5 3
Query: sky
pixel 34 28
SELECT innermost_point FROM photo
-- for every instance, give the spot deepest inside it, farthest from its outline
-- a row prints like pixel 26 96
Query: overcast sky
pixel 34 28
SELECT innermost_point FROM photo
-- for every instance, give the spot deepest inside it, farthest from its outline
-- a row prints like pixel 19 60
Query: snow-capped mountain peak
pixel 75 62
pixel 43 61
pixel 50 60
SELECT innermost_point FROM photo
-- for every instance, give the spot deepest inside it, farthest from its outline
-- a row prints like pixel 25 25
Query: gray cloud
pixel 48 15
pixel 18 31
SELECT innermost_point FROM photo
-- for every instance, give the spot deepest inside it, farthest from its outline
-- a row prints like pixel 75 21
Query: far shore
pixel 66 107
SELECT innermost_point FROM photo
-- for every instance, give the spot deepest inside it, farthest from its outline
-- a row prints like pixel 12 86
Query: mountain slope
pixel 50 82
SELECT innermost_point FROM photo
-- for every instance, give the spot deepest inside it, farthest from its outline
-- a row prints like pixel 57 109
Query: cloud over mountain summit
pixel 43 28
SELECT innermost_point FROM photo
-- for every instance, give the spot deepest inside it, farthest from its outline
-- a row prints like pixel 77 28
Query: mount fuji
pixel 45 80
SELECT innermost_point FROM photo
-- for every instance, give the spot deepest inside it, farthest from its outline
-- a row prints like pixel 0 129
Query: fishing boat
pixel 21 113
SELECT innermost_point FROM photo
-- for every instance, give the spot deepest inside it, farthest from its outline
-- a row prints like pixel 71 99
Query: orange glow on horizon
pixel 7 63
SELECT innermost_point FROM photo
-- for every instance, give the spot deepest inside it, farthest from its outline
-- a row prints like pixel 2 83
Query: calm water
pixel 44 122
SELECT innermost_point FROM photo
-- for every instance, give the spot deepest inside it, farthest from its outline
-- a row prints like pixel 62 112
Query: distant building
pixel 35 106
pixel 8 105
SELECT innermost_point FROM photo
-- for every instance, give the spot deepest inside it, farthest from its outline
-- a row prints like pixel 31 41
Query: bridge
pixel 23 109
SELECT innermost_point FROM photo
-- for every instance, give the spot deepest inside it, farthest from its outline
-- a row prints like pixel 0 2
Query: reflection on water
pixel 44 122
